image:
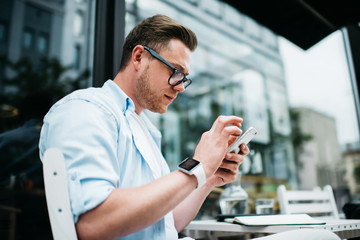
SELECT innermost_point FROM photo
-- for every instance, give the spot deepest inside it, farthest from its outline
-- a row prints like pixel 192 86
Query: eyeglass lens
pixel 177 77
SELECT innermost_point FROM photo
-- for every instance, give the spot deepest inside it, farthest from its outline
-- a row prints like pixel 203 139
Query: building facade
pixel 351 167
pixel 320 156
pixel 47 29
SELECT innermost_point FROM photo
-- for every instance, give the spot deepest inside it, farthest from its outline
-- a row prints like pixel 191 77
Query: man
pixel 119 182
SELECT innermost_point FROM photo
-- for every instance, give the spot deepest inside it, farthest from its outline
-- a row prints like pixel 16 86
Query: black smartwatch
pixel 191 166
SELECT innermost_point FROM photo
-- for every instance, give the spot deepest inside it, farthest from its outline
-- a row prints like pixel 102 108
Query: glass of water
pixel 264 205
pixel 233 200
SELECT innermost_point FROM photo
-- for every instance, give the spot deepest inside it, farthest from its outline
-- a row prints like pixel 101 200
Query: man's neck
pixel 126 82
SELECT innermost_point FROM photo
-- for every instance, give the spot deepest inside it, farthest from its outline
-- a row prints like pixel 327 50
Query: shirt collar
pixel 124 102
pixel 127 106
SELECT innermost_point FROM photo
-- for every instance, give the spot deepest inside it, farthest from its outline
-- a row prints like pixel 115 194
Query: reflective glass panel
pixel 37 52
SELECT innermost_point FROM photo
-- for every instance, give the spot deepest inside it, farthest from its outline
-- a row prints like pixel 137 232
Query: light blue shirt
pixel 92 129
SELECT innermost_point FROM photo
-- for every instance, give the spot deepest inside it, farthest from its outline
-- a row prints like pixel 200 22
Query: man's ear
pixel 137 56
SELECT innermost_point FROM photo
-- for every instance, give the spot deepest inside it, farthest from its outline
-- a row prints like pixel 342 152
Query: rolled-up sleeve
pixel 87 135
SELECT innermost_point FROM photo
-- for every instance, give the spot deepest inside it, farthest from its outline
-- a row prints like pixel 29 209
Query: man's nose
pixel 180 87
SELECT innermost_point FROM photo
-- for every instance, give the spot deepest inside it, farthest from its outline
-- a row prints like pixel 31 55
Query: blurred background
pixel 301 99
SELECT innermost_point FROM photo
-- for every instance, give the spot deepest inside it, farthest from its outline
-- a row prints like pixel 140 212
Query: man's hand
pixel 211 152
pixel 228 169
pixel 213 144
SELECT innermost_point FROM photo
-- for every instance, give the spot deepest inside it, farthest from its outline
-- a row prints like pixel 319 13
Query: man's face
pixel 152 90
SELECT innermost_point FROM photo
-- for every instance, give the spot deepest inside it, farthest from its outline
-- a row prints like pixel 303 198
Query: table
pixel 211 229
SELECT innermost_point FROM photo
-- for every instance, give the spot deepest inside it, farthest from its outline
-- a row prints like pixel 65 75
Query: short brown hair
pixel 156 32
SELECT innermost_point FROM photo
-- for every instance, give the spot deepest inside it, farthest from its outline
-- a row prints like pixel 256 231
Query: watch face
pixel 188 164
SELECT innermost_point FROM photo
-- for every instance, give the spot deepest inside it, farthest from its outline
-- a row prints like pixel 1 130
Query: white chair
pixel 316 203
pixel 57 196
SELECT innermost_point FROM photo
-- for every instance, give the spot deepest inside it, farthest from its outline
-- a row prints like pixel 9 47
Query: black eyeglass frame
pixel 185 80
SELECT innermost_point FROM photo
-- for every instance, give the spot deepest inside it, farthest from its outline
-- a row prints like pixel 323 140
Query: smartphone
pixel 245 138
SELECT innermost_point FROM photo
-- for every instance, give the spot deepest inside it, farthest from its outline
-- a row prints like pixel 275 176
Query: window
pixel 42 43
pixel 3 31
pixel 252 28
pixel 78 24
pixel 212 6
pixel 38 40
pixel 28 39
pixel 77 57
pixel 233 17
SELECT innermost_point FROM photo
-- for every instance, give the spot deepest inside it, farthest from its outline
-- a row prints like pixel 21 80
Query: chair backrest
pixel 316 203
pixel 57 196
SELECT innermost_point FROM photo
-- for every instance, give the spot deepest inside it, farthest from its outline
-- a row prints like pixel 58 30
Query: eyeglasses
pixel 177 76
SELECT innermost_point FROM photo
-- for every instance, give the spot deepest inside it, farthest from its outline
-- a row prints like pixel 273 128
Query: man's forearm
pixel 189 207
pixel 126 211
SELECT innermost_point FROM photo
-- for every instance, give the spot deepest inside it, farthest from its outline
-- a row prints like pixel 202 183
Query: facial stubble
pixel 148 97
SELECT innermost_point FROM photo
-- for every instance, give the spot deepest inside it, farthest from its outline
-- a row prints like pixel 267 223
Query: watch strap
pixel 191 166
pixel 200 175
